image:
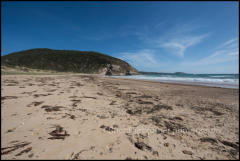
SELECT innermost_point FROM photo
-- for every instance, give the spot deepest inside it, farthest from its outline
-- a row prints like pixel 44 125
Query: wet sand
pixel 94 117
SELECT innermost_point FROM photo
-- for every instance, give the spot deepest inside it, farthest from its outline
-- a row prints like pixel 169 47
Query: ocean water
pixel 216 80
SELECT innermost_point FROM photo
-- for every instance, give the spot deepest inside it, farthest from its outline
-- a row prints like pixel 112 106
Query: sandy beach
pixel 96 117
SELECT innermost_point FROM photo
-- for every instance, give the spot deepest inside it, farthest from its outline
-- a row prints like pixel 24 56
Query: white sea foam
pixel 227 83
pixel 220 76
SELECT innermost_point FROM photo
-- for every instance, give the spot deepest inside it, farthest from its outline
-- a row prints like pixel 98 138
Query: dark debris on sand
pixel 208 139
pixel 159 107
pixel 58 133
pixel 75 102
pixel 142 146
pixel 24 151
pixel 107 128
pixel 35 103
pixel 50 108
pixel 7 150
pixel 8 97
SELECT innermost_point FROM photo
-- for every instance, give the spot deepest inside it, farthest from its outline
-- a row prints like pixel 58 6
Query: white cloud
pixel 176 39
pixel 180 45
pixel 180 48
pixel 141 58
pixel 228 48
pixel 234 53
pixel 229 44
pixel 223 53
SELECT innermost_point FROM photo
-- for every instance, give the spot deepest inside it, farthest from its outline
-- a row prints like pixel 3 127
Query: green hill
pixel 67 61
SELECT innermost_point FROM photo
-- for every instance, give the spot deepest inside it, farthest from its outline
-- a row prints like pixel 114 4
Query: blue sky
pixel 193 37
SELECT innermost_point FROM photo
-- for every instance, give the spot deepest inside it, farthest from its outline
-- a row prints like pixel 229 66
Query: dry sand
pixel 93 117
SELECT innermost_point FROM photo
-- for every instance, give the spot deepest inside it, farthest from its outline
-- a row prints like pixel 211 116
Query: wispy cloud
pixel 229 44
pixel 181 37
pixel 234 53
pixel 175 39
pixel 225 52
pixel 180 45
pixel 228 48
pixel 141 58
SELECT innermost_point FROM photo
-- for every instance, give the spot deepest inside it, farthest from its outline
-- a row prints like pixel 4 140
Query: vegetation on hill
pixel 65 61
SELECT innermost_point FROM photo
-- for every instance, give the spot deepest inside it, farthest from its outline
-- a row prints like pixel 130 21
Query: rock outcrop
pixel 112 69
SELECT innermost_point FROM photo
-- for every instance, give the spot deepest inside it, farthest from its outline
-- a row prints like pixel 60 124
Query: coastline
pixel 197 83
pixel 111 118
